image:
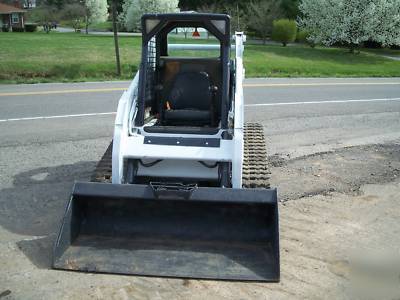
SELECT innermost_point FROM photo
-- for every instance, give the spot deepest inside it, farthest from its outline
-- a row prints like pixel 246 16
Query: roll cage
pixel 155 29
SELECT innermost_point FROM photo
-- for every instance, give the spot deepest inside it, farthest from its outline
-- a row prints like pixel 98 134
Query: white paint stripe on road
pixel 321 102
pixel 246 105
pixel 317 84
pixel 58 117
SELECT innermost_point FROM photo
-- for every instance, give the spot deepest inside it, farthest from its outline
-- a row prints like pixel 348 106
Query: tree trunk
pixel 352 48
pixel 87 25
pixel 115 29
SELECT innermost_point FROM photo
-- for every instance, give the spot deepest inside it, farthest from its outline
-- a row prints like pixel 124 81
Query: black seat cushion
pixel 190 98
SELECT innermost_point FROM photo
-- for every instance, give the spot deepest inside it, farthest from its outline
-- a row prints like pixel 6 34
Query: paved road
pixel 47 141
pixel 299 114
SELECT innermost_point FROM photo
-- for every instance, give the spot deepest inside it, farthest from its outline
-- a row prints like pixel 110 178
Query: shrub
pixel 17 29
pixel 30 27
pixel 302 36
pixel 284 31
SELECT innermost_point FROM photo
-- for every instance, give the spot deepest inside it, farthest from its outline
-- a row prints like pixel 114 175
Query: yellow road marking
pixel 247 85
pixel 61 92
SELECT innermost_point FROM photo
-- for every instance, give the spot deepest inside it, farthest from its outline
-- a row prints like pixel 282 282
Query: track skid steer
pixel 183 189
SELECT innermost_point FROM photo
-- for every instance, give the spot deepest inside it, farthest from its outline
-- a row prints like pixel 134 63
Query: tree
pixel 351 22
pixel 284 31
pixel 95 11
pixel 237 14
pixel 195 4
pixel 209 8
pixel 261 15
pixel 75 13
pixel 386 23
pixel 134 9
pixel 44 15
pixel 58 4
pixel 238 17
pixel 290 8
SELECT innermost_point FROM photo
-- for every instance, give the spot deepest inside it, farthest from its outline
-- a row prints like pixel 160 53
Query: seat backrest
pixel 191 90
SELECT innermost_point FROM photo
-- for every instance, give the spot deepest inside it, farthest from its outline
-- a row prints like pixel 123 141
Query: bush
pixel 284 31
pixel 302 36
pixel 30 27
pixel 17 29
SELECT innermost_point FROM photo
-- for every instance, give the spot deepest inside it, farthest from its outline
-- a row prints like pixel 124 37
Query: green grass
pixel 303 61
pixel 103 26
pixel 385 51
pixel 41 57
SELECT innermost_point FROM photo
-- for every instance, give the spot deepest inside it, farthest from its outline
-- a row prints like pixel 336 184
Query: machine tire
pixel 255 172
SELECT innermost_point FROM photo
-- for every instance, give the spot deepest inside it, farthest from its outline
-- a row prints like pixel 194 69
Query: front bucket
pixel 216 233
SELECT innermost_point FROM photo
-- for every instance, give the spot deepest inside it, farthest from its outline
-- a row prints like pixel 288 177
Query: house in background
pixel 11 17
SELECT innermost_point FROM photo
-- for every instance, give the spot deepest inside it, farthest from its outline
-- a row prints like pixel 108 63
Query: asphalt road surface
pixel 298 114
pixel 333 145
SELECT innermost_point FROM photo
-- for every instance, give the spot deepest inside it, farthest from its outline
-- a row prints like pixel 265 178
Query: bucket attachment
pixel 170 230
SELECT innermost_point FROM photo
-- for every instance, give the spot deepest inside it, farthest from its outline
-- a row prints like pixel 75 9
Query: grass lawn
pixel 303 61
pixel 41 57
pixel 389 52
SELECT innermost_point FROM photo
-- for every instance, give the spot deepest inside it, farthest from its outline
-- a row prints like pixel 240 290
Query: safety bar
pixel 201 47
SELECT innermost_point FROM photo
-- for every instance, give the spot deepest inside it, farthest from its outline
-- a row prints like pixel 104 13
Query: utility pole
pixel 115 29
pixel 238 17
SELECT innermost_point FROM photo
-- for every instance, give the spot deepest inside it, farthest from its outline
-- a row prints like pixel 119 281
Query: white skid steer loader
pixel 189 195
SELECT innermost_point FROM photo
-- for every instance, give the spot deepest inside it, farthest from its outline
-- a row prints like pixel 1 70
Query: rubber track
pixel 255 167
pixel 103 171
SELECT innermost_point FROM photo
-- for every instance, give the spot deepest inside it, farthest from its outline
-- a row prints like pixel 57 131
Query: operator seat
pixel 190 100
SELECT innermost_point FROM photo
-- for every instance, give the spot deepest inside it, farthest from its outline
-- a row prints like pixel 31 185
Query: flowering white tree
pixel 134 9
pixel 351 21
pixel 387 22
pixel 96 11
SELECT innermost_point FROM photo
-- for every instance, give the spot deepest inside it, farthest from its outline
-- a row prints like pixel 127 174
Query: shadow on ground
pixel 36 203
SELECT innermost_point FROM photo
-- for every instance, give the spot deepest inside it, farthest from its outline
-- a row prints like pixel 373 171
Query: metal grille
pixel 151 67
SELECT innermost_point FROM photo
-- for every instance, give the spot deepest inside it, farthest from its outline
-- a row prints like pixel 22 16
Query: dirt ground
pixel 339 233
